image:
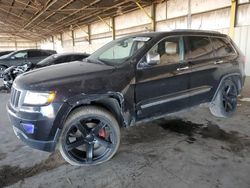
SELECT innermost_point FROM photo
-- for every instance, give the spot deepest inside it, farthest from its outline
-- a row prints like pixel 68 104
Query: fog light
pixel 28 127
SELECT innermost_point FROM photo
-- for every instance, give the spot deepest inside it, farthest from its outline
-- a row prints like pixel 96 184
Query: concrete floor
pixel 190 149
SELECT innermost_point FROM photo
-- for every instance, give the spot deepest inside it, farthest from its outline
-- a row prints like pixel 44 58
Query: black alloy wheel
pixel 229 97
pixel 90 138
pixel 225 101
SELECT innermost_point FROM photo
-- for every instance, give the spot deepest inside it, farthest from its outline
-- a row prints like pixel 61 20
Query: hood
pixel 61 74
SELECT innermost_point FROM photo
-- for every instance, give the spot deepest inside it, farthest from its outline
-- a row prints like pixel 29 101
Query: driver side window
pixel 166 51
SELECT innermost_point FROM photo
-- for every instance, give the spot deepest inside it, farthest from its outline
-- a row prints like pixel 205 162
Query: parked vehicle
pixel 22 57
pixel 81 106
pixel 5 52
pixel 12 72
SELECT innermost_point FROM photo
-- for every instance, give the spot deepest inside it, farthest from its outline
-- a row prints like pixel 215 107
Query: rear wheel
pixel 90 136
pixel 225 102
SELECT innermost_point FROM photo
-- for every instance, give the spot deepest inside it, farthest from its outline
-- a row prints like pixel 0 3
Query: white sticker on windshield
pixel 141 39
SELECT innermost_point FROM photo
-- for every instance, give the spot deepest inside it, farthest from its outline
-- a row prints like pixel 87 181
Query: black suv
pixel 21 57
pixel 81 106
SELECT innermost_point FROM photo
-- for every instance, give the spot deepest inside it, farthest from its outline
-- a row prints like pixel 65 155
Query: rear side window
pixel 34 53
pixel 63 59
pixel 44 53
pixel 47 52
pixel 76 57
pixel 198 47
pixel 222 47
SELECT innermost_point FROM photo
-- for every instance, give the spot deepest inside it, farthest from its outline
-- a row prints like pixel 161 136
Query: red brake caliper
pixel 103 133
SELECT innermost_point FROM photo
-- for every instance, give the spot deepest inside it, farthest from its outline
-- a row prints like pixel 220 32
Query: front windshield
pixel 47 61
pixel 118 51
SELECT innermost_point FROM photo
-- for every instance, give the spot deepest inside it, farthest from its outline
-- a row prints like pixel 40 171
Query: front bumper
pixel 36 144
pixel 46 132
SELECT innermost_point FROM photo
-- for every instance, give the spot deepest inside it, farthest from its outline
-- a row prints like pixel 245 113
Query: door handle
pixel 183 68
pixel 218 62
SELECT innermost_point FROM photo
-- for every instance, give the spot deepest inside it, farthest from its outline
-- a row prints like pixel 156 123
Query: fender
pixel 239 83
pixel 113 101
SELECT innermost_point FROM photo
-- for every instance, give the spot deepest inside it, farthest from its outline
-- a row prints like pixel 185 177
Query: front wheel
pixel 225 102
pixel 90 136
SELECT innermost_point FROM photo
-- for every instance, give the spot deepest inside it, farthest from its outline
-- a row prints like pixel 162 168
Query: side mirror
pixel 152 58
pixel 12 57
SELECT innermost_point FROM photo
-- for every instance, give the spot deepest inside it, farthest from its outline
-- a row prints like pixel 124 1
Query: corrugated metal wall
pixel 242 38
pixel 9 44
pixel 206 14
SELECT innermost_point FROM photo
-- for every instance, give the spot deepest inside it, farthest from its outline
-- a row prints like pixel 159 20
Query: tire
pixel 90 136
pixel 2 69
pixel 225 102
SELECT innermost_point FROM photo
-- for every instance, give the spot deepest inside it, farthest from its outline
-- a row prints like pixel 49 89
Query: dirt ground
pixel 190 149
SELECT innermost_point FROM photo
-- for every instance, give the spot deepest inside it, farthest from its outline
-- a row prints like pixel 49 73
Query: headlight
pixel 33 98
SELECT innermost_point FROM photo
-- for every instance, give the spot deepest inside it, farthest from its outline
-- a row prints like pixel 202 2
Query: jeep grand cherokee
pixel 80 107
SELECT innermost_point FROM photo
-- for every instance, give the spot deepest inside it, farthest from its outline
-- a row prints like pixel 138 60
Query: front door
pixel 18 58
pixel 162 80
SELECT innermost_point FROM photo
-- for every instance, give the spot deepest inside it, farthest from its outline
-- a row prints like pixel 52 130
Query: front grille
pixel 15 97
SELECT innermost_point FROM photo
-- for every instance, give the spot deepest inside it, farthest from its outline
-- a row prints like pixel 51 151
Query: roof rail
pixel 196 30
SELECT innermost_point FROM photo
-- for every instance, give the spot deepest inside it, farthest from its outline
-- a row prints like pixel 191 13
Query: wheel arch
pixel 236 78
pixel 113 102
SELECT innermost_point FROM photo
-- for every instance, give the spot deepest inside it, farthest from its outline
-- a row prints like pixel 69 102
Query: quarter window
pixel 198 47
pixel 222 47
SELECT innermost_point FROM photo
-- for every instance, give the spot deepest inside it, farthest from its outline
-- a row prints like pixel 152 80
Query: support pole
pixel 53 42
pixel 89 34
pixel 111 26
pixel 233 17
pixel 73 37
pixel 189 17
pixel 152 18
pixel 61 38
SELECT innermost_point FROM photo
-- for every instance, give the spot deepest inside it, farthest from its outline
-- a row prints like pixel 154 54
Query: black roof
pixel 179 32
pixel 195 31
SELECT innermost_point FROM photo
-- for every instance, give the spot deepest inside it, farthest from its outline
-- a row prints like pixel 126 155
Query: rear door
pixel 200 56
pixel 225 53
pixel 162 87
